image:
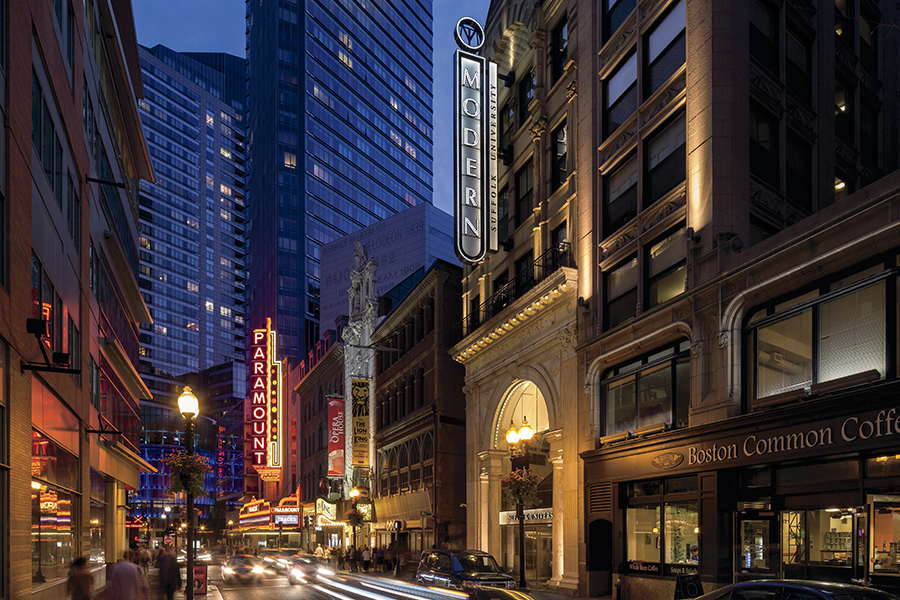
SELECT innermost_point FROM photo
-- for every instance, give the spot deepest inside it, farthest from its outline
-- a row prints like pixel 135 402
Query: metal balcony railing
pixel 560 255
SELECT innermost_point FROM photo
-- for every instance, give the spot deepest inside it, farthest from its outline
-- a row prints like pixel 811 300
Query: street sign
pixel 168 539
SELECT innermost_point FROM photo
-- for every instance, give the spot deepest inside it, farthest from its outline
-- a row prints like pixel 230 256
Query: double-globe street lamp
pixel 520 458
pixel 354 498
pixel 189 407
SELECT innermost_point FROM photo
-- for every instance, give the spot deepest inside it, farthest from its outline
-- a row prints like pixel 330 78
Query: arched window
pixel 321 399
pixel 427 460
pixel 321 437
pixel 404 456
pixel 415 468
pixel 427 448
pixel 420 388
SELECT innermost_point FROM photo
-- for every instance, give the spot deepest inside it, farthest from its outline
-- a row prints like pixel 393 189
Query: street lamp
pixel 519 459
pixel 354 496
pixel 189 408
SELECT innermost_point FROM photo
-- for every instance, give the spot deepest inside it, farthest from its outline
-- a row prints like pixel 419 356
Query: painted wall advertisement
pixel 360 424
pixel 335 436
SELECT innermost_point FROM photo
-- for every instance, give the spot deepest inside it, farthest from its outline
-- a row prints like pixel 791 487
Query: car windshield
pixel 484 563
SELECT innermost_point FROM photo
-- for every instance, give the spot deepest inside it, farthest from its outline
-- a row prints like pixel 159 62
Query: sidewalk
pixel 212 592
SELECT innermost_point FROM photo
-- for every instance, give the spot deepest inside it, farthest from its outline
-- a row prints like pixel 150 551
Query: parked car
pixel 242 568
pixel 788 589
pixel 304 568
pixel 467 570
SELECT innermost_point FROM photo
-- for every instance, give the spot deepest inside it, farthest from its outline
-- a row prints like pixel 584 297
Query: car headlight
pixel 467 583
pixel 228 571
pixel 325 572
pixel 258 569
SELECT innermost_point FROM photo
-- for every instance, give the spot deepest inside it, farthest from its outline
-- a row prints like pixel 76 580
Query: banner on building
pixel 360 424
pixel 336 436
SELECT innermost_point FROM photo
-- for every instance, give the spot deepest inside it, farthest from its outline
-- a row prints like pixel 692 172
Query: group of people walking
pixel 128 580
pixel 363 558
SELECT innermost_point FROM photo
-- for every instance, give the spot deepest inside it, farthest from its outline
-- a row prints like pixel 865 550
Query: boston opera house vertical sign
pixel 265 404
pixel 475 146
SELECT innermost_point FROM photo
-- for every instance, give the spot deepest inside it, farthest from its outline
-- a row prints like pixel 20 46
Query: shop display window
pixel 662 527
pixel 885 537
pixel 682 533
pixel 52 532
pixel 98 518
pixel 642 534
pixel 823 537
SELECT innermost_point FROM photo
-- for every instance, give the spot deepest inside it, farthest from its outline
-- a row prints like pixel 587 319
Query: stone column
pixel 538 134
pixel 491 463
pixel 565 520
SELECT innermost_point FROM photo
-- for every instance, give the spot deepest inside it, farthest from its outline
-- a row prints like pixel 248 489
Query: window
pixel 834 331
pixel 665 48
pixel 524 273
pixel 73 214
pixel 868 132
pixel 621 196
pixel 764 146
pixel 560 155
pixel 621 94
pixel 843 21
pixel 868 42
pixel 798 66
pixel 74 337
pixel 663 525
pixel 52 507
pixel 666 159
pixel 503 214
pixel 621 292
pixel 70 35
pixel 46 143
pixel 667 267
pixel 526 95
pixel 763 38
pixel 653 389
pixel 615 13
pixel 843 112
pixel 799 172
pixel 524 193
pixel 560 49
pixel 507 125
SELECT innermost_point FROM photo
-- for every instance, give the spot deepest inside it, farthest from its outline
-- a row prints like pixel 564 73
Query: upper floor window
pixel 843 20
pixel 560 48
pixel 620 191
pixel 526 94
pixel 763 35
pixel 507 124
pixel 621 292
pixel 560 156
pixel 868 41
pixel 503 214
pixel 666 159
pixel 667 267
pixel 835 330
pixel 615 12
pixel 798 164
pixel 843 112
pixel 665 48
pixel 764 146
pixel 621 94
pixel 649 390
pixel 798 66
pixel 524 192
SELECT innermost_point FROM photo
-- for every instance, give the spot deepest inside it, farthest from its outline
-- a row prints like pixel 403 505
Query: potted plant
pixel 353 517
pixel 188 471
pixel 520 485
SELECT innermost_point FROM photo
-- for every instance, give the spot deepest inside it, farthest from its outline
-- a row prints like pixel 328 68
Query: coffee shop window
pixel 652 390
pixel 662 526
pixel 53 531
pixel 835 332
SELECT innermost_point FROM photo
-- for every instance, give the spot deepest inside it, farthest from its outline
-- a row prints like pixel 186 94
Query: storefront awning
pixel 409 507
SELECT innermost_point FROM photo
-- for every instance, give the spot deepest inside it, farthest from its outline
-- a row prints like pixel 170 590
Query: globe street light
pixel 520 458
pixel 189 407
pixel 354 496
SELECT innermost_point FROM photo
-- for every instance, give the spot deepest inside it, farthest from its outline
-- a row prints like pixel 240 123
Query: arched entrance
pixel 524 401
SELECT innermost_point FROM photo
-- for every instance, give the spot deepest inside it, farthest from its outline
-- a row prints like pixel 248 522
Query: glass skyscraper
pixel 340 115
pixel 192 263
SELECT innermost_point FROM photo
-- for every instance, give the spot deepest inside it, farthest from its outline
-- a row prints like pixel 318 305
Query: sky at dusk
pixel 219 25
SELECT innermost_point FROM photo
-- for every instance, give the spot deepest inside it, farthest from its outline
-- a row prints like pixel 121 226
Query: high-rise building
pixel 340 113
pixel 192 249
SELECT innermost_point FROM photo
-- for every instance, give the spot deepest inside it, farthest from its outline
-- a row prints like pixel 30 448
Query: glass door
pixel 757 548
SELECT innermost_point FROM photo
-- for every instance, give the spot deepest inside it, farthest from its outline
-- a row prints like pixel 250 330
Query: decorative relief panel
pixel 538 129
pixel 568 338
pixel 765 198
pixel 620 240
pixel 846 155
pixel 656 105
pixel 872 85
pixel 846 60
pixel 624 36
pixel 662 209
pixel 766 90
pixel 805 9
pixel 571 90
pixel 801 118
pixel 621 138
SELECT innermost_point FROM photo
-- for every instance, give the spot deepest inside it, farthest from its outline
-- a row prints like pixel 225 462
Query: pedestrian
pixel 366 558
pixel 379 558
pixel 169 574
pixel 352 553
pixel 144 556
pixel 128 581
pixel 320 553
pixel 80 583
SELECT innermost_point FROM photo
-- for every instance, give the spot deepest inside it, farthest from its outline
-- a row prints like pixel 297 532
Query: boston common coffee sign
pixel 475 146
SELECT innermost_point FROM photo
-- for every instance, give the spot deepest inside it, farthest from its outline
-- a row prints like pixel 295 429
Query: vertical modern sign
pixel 475 146
pixel 335 436
pixel 360 422
pixel 265 403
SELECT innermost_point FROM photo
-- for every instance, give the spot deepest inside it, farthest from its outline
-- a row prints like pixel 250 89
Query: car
pixel 796 589
pixel 277 559
pixel 466 570
pixel 303 569
pixel 242 568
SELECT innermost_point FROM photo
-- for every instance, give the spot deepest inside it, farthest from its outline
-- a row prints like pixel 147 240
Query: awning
pixel 407 507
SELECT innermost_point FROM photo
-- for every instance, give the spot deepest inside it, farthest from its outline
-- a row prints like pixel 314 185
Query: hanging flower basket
pixel 353 517
pixel 188 471
pixel 520 485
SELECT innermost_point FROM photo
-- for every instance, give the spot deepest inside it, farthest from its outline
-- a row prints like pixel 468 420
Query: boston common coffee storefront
pixel 807 491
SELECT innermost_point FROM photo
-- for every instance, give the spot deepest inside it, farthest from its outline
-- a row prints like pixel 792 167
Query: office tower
pixel 192 248
pixel 73 151
pixel 339 115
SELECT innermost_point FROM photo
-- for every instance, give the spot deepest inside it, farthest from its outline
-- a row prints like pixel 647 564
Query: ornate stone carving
pixel 626 31
pixel 513 369
pixel 587 390
pixel 765 199
pixel 801 118
pixel 722 339
pixel 622 138
pixel 568 337
pixel 538 40
pixel 620 241
pixel 805 9
pixel 845 57
pixel 659 212
pixel 766 89
pixel 538 129
pixel 553 365
pixel 665 99
pixel 571 90
pixel 845 154
pixel 696 349
pixel 869 82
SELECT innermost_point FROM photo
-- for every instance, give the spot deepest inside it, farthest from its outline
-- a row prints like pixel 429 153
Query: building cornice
pixel 334 354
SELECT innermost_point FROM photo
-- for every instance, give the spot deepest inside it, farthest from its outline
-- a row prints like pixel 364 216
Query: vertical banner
pixel 335 436
pixel 360 423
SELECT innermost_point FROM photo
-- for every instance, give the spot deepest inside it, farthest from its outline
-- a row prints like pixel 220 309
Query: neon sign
pixel 265 404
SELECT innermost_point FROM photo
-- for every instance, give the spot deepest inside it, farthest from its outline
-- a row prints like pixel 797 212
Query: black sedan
pixel 466 570
pixel 242 568
pixel 789 589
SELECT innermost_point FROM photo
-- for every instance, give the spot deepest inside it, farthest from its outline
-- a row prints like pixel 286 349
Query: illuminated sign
pixel 475 146
pixel 255 514
pixel 326 509
pixel 360 433
pixel 265 403
pixel 335 436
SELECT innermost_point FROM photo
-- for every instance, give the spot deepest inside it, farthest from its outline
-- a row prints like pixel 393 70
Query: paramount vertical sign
pixel 475 146
pixel 265 404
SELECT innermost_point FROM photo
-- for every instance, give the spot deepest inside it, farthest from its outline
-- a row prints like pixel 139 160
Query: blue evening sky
pixel 218 26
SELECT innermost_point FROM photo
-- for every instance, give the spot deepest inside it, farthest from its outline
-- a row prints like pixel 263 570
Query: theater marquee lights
pixel 475 146
pixel 265 404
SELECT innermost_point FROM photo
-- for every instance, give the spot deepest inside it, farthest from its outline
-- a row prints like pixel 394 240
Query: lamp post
pixel 354 496
pixel 520 459
pixel 189 408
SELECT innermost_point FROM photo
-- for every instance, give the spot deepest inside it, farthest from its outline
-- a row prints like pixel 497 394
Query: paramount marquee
pixel 265 404
pixel 476 146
